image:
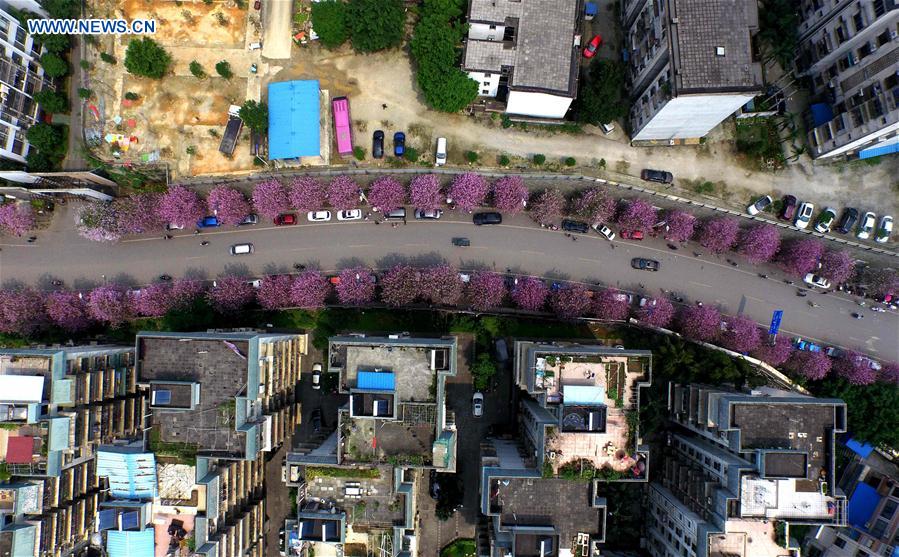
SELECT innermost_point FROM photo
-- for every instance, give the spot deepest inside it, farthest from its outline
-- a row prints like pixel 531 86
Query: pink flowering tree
pixel 276 291
pixel 719 234
pixel 270 198
pixel 306 194
pixel 741 334
pixel 637 214
pixel 386 194
pixel 182 206
pixel 441 285
pixel 468 191
pixel 681 226
pixel 855 368
pixel 811 365
pixel 759 243
pixel 228 204
pixel 838 266
pixel 656 312
pixel 424 192
pixel 530 293
pixel 510 195
pixel 230 294
pixel 310 290
pixel 98 221
pixel 890 373
pixel 611 304
pixel 570 301
pixel 138 213
pixel 16 219
pixel 594 205
pixel 356 286
pixel 186 291
pixel 343 193
pixel 67 311
pixel 547 207
pixel 110 304
pixel 883 282
pixel 700 323
pixel 400 285
pixel 800 256
pixel 774 355
pixel 154 300
pixel 22 311
pixel 485 291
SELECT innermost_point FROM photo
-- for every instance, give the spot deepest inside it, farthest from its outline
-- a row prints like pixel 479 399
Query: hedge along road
pixel 518 245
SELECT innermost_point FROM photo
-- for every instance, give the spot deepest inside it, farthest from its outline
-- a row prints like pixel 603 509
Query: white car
pixel 812 279
pixel 318 216
pixel 760 205
pixel 255 283
pixel 440 156
pixel 884 230
pixel 866 226
pixel 173 226
pixel 351 214
pixel 804 215
pixel 241 249
pixel 825 219
pixel 604 231
pixel 316 376
pixel 477 405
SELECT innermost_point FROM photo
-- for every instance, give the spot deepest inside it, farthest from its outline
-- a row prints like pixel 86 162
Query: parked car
pixel 316 376
pixel 377 144
pixel 645 264
pixel 285 219
pixel 241 249
pixel 477 405
pixel 631 234
pixel 659 176
pixel 592 47
pixel 396 214
pixel 804 215
pixel 257 5
pixel 812 279
pixel 847 220
pixel 349 214
pixel 433 485
pixel 428 214
pixel 760 205
pixel 825 219
pixel 334 279
pixel 569 225
pixel 255 283
pixel 607 128
pixel 172 226
pixel 440 155
pixel 788 211
pixel 866 226
pixel 802 344
pixel 252 218
pixel 316 420
pixel 604 231
pixel 210 221
pixel 501 350
pixel 884 230
pixel 399 144
pixel 833 351
pixel 318 216
pixel 490 217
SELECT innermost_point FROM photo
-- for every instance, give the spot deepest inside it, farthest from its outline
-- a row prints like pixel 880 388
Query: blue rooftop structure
pixel 293 120
pixel 122 543
pixel 131 475
pixel 862 505
pixel 861 449
pixel 376 381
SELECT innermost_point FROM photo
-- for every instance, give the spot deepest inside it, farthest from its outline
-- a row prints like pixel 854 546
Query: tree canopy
pixel 52 101
pixel 145 57
pixel 53 65
pixel 329 19
pixel 376 24
pixel 45 138
pixel 600 97
pixel 255 116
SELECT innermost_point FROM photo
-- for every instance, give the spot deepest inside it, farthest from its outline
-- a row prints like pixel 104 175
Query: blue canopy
pixel 862 505
pixel 376 380
pixel 126 543
pixel 293 120
pixel 821 113
pixel 859 448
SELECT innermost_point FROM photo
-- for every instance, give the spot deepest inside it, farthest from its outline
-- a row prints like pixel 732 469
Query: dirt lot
pixel 192 23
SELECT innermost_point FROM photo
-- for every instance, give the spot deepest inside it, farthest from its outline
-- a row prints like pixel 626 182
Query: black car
pixel 399 144
pixel 487 218
pixel 434 486
pixel 575 226
pixel 317 420
pixel 847 220
pixel 645 264
pixel 659 176
pixel 377 144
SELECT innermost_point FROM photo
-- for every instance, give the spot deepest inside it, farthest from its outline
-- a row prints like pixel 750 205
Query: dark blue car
pixel 399 144
pixel 208 222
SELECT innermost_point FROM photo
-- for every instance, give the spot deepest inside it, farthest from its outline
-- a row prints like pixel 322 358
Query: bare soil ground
pixel 191 22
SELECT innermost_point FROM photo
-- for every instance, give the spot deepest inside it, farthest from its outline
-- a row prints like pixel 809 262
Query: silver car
pixel 428 214
pixel 477 405
pixel 804 215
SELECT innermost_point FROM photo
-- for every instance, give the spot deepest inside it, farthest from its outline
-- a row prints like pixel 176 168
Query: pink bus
pixel 340 108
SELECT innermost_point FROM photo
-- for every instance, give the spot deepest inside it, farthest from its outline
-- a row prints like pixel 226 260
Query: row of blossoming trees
pixel 26 311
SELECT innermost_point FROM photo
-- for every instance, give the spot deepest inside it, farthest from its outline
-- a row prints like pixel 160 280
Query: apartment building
pixel 849 52
pixel 690 65
pixel 740 463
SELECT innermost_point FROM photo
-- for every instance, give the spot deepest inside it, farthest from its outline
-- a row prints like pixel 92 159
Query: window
pixel 840 542
pixel 485 91
pixel 859 21
pixel 486 84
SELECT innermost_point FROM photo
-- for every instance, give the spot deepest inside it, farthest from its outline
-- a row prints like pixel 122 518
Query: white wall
pixel 483 32
pixel 488 82
pixel 691 116
pixel 861 141
pixel 540 105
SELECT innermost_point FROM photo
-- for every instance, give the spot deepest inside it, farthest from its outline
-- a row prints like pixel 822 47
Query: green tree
pixel 504 160
pixel 482 371
pixel 778 25
pixel 223 68
pixel 600 96
pixel 38 161
pixel 62 9
pixel 108 58
pixel 376 24
pixel 52 101
pixel 471 157
pixel 145 57
pixel 329 19
pixel 84 93
pixel 132 96
pixel 539 159
pixel 55 43
pixel 53 65
pixel 255 116
pixel 197 70
pixel 570 161
pixel 45 138
pixel 873 409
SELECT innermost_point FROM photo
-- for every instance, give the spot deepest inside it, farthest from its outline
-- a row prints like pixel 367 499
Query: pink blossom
pixel 594 206
pixel 774 355
pixel 310 290
pixel 811 365
pixel 530 293
pixel 838 266
pixel 700 323
pixel 138 213
pixel 485 291
pixel 22 311
pixel 276 291
pixel 306 194
pixel 400 285
pixel 570 301
pixel 154 300
pixel 855 368
pixel 98 221
pixel 800 256
pixel 890 372
pixel 681 226
pixel 637 214
pixel 742 334
pixel 611 304
pixel 110 304
pixel 67 311
pixel 719 234
pixel 343 193
pixel 759 243
pixel 228 204
pixel 16 219
pixel 656 312
pixel 468 191
pixel 270 198
pixel 185 291
pixel 181 206
pixel 510 194
pixel 548 207
pixel 386 194
pixel 356 286
pixel 441 285
pixel 425 193
pixel 230 294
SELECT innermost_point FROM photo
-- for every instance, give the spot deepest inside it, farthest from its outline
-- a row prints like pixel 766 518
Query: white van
pixel 607 128
pixel 241 249
pixel 255 46
pixel 440 158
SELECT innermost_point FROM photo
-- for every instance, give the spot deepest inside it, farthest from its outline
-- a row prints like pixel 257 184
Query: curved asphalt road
pixel 518 244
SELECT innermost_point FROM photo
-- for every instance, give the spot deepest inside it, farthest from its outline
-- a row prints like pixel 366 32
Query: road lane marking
pixel 754 298
pixel 700 284
pixel 588 260
pixel 361 246
pixel 531 252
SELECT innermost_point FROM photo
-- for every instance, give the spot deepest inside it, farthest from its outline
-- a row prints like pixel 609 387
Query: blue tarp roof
pixel 293 120
pixel 862 504
pixel 880 150
pixel 590 8
pixel 131 475
pixel 376 380
pixel 859 448
pixel 821 113
pixel 130 543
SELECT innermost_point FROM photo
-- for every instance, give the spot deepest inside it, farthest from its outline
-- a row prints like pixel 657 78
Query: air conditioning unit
pixel 894 34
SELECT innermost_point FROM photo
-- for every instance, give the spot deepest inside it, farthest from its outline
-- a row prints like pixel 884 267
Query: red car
pixel 631 234
pixel 285 219
pixel 592 47
pixel 258 4
pixel 334 279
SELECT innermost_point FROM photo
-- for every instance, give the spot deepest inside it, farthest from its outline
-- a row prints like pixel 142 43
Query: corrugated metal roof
pixel 376 380
pixel 21 388
pixel 131 475
pixel 293 120
pixel 19 450
pixel 131 543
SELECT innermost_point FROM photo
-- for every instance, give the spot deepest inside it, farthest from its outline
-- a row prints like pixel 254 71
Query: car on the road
pixel 440 155
pixel 318 216
pixel 461 242
pixel 252 218
pixel 316 376
pixel 399 144
pixel 847 220
pixel 825 219
pixel 592 47
pixel 428 214
pixel 316 420
pixel 659 176
pixel 645 264
pixel 210 221
pixel 631 234
pixel 377 144
pixel 477 405
pixel 241 249
pixel 604 231
pixel 788 210
pixel 760 205
pixel 812 279
pixel 285 219
pixel 884 230
pixel 569 225
pixel 804 215
pixel 349 214
pixel 866 226
pixel 174 226
pixel 833 351
pixel 489 217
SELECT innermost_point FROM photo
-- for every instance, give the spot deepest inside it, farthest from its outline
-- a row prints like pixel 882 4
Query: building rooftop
pixel 746 538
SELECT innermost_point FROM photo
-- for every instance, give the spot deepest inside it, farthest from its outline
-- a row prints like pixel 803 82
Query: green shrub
pixel 313 472
pixel 131 96
pixel 411 154
pixel 108 58
pixel 84 93
pixel 359 153
pixel 506 121
pixel 570 161
pixel 504 160
pixel 191 150
pixel 539 159
pixel 223 68
pixel 471 157
pixel 197 70
pixel 85 65
pixel 145 57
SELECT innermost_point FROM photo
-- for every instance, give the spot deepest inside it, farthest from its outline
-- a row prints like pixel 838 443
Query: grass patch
pixel 463 547
pixel 313 472
pixel 758 140
pixel 185 453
